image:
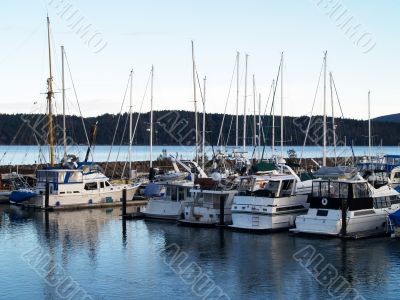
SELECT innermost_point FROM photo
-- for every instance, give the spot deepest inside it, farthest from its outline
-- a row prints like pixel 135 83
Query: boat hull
pixel 267 214
pixel 164 209
pixel 361 223
pixel 82 199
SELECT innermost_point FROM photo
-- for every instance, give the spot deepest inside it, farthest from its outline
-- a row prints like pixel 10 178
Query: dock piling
pixel 124 203
pixel 222 211
pixel 344 217
pixel 47 196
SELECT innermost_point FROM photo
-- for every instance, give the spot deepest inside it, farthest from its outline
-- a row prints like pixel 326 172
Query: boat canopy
pixel 335 172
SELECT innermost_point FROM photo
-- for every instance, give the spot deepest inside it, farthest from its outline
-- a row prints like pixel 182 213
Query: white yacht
pixel 273 207
pixel 349 208
pixel 170 203
pixel 72 187
pixel 211 206
pixel 173 195
pixel 395 178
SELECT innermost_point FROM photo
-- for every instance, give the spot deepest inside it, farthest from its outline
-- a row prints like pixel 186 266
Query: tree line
pixel 178 128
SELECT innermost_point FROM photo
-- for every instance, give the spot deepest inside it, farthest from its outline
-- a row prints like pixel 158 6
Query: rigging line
pixel 273 97
pixel 226 103
pixel 118 120
pixel 77 101
pixel 119 148
pixel 141 106
pixel 337 97
pixel 265 111
pixel 312 109
pixel 229 131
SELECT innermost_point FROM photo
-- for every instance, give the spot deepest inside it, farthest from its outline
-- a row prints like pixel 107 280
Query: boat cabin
pixel 331 194
pixel 67 181
pixel 283 186
pixel 275 187
pixel 211 199
pixel 174 192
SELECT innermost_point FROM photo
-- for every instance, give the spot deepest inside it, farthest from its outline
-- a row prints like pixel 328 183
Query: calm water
pixel 18 155
pixel 92 248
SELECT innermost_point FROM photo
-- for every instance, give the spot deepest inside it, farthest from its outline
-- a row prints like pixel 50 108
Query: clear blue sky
pixel 141 33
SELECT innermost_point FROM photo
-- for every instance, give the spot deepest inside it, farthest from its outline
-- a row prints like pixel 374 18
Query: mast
pixel 195 105
pixel 282 105
pixel 203 146
pixel 130 126
pixel 237 99
pixel 273 123
pixel 63 105
pixel 333 116
pixel 151 116
pixel 245 104
pixel 50 97
pixel 259 125
pixel 369 126
pixel 324 133
pixel 254 113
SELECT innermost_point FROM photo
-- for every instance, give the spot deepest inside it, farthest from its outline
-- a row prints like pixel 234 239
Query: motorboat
pixel 274 206
pixel 348 208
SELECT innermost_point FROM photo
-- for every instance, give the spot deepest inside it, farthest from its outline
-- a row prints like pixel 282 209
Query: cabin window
pixel 397 175
pixel 90 186
pixel 360 190
pixel 315 189
pixel 174 195
pixel 181 192
pixel 102 184
pixel 107 183
pixel 334 190
pixel 324 189
pixel 273 187
pixel 287 186
pixel 395 199
pixel 168 192
pixel 188 193
pixel 381 202
pixel 344 190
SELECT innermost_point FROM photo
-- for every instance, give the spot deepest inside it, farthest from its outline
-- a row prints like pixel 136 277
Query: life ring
pixel 324 201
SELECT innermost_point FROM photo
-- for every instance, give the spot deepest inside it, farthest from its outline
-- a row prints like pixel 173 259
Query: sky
pixel 125 35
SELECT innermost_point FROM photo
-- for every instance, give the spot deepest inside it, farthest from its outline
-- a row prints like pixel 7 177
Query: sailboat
pixel 75 184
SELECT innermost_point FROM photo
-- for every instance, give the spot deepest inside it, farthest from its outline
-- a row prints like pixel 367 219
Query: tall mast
pixel 245 104
pixel 195 105
pixel 203 146
pixel 324 133
pixel 151 116
pixel 63 104
pixel 282 105
pixel 333 116
pixel 130 126
pixel 50 97
pixel 254 113
pixel 237 98
pixel 259 125
pixel 273 122
pixel 369 126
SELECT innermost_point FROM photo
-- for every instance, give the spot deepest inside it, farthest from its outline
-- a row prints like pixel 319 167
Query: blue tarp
pixel 152 189
pixel 395 218
pixel 21 196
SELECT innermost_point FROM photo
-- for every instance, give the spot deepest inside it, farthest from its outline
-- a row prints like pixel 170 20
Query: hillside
pixel 389 118
pixel 177 128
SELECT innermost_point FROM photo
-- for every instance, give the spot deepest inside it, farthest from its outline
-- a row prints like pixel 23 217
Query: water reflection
pixel 111 258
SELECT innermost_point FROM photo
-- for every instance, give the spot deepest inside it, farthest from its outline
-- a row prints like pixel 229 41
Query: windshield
pixel 273 187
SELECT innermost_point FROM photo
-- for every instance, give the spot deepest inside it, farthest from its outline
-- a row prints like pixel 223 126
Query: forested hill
pixel 177 127
pixel 389 118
